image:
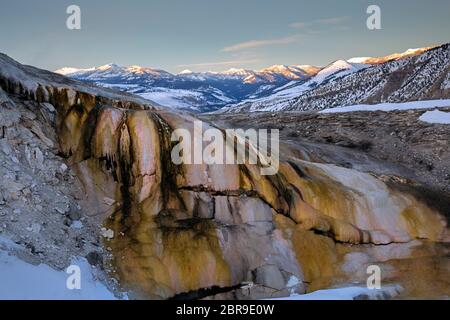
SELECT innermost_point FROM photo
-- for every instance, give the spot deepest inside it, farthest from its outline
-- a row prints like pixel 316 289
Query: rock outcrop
pixel 199 230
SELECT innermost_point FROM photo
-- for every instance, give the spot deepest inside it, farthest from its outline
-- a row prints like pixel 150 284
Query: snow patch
pixel 176 98
pixel 23 281
pixel 348 293
pixel 69 70
pixel 358 59
pixel 436 116
pixel 424 104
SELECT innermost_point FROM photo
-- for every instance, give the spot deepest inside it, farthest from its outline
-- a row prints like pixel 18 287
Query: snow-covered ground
pixel 436 116
pixel 175 98
pixel 424 104
pixel 23 281
pixel 348 293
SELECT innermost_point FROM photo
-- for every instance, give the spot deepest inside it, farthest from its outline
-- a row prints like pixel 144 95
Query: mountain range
pixel 193 91
pixel 393 78
pixel 422 74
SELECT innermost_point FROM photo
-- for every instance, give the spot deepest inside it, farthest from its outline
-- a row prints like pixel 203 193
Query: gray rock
pixel 223 213
pixel 49 107
pixel 39 157
pixel 270 276
pixel 63 168
pixel 62 209
pixel 35 228
pixel 204 206
pixel 107 233
pixel 74 213
pixel 95 258
pixel 5 147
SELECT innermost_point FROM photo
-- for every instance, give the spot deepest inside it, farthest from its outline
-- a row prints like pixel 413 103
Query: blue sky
pixel 214 34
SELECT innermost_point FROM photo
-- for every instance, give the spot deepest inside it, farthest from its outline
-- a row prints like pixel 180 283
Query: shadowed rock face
pixel 181 229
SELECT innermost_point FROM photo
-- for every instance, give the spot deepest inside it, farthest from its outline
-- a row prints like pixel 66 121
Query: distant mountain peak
pixel 276 67
pixel 70 70
pixel 359 59
pixel 309 69
pixel 394 56
pixel 186 71
pixel 108 67
pixel 338 63
pixel 236 71
pixel 136 68
pixel 111 69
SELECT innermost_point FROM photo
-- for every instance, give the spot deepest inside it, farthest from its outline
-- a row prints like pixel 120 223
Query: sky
pixel 215 35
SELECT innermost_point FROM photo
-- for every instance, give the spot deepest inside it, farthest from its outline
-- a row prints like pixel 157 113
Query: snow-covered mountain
pixel 279 87
pixel 394 56
pixel 194 91
pixel 281 95
pixel 416 74
pixel 280 73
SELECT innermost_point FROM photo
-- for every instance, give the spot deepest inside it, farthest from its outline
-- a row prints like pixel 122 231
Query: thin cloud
pixel 220 63
pixel 332 21
pixel 260 43
pixel 299 25
pixel 327 21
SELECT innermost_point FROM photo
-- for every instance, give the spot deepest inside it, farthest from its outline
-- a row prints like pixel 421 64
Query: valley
pixel 192 91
